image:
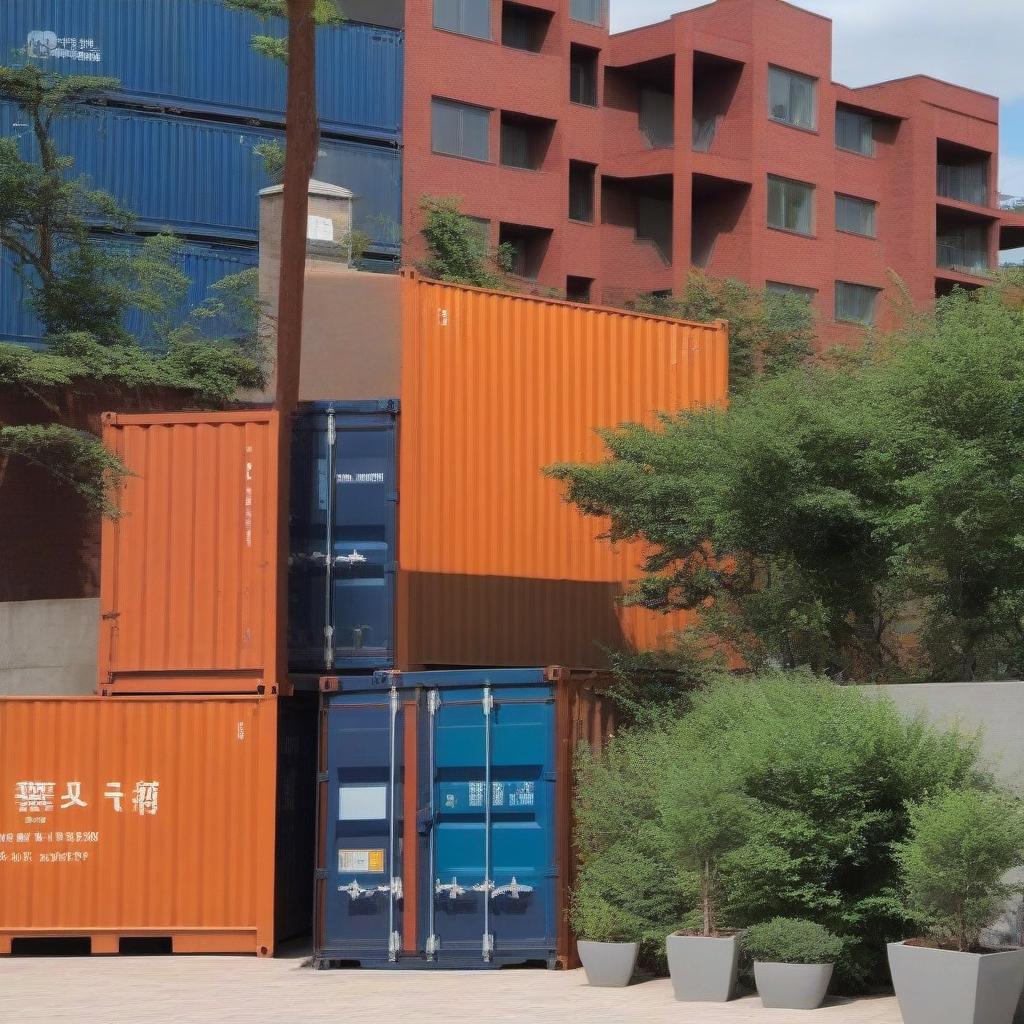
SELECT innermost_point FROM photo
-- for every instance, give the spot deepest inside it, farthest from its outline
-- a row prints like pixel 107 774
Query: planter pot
pixel 792 986
pixel 703 969
pixel 941 986
pixel 609 964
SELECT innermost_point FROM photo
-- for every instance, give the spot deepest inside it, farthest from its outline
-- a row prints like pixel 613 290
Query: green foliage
pixel 705 816
pixel 626 887
pixel 272 155
pixel 459 250
pixel 794 790
pixel 832 510
pixel 325 14
pixel 961 845
pixel 76 458
pixel 789 940
pixel 769 332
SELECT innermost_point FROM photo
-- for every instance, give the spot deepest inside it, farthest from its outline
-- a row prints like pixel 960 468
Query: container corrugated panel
pixel 124 819
pixel 189 577
pixel 201 178
pixel 454 789
pixel 495 567
pixel 195 56
pixel 203 265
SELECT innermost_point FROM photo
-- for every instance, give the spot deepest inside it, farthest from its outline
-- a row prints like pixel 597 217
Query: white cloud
pixel 975 44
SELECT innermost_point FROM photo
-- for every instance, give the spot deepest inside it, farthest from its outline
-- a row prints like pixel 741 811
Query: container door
pixel 491 852
pixel 363 912
pixel 311 513
pixel 362 568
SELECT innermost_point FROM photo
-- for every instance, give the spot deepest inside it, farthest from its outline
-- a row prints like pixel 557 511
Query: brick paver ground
pixel 223 990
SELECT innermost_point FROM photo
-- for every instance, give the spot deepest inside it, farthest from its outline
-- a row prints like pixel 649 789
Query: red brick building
pixel 717 139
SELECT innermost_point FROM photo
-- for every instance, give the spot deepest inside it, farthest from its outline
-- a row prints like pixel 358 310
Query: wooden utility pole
pixel 302 140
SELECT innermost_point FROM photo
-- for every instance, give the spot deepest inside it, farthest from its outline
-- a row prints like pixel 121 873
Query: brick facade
pixel 665 199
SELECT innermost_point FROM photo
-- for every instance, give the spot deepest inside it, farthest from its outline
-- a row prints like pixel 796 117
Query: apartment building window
pixel 855 132
pixel 856 303
pixel 579 289
pixel 858 216
pixel 583 75
pixel 792 98
pixel 590 11
pixel 657 118
pixel 790 205
pixel 581 191
pixel 524 28
pixel 459 129
pixel 780 288
pixel 467 17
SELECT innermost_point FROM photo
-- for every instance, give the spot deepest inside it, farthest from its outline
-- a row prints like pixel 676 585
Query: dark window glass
pixel 657 118
pixel 467 17
pixel 578 289
pixel 461 130
pixel 856 303
pixel 856 215
pixel 792 98
pixel 515 145
pixel 855 132
pixel 581 191
pixel 590 11
pixel 583 76
pixel 792 289
pixel 790 205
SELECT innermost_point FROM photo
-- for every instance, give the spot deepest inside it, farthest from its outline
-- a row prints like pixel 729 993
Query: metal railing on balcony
pixel 963 259
pixel 704 131
pixel 967 183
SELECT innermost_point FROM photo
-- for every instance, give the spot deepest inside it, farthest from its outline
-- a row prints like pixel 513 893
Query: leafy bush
pixel 961 845
pixel 459 248
pixel 790 940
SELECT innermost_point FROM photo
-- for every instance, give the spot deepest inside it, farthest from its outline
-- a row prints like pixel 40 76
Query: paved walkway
pixel 224 990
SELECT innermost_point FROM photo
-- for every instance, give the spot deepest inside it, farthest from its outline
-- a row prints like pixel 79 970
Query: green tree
pixel 81 291
pixel 769 332
pixel 954 863
pixel 458 248
pixel 325 13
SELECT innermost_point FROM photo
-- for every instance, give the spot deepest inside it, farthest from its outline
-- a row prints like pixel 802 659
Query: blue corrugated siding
pixel 202 179
pixel 204 265
pixel 195 55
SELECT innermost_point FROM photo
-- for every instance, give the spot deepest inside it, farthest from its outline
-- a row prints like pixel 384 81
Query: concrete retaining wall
pixel 48 647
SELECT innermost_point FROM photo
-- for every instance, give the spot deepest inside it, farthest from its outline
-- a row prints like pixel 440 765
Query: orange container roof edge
pixel 414 275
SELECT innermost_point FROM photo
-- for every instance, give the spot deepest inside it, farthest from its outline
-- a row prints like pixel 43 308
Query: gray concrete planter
pixel 792 986
pixel 703 969
pixel 941 986
pixel 609 964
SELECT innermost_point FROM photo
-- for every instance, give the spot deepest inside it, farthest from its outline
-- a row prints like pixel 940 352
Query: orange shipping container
pixel 189 580
pixel 139 818
pixel 495 568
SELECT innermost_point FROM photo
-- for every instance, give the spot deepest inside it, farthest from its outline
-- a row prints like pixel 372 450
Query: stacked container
pixel 177 147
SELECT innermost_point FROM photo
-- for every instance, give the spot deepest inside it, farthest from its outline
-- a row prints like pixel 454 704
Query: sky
pixel 977 43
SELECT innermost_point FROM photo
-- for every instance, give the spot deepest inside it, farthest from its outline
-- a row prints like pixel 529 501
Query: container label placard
pixel 47 45
pixel 365 862
pixel 508 796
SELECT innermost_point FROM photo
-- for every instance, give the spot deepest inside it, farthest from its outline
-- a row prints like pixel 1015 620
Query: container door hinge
pixel 550 776
pixel 328 647
pixel 320 874
pixel 323 777
pixel 394 946
pixel 488 701
pixel 432 947
pixel 434 701
pixel 332 433
pixel 488 947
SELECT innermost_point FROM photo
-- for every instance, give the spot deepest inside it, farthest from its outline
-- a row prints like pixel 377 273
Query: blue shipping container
pixel 202 179
pixel 474 881
pixel 204 265
pixel 195 56
pixel 343 526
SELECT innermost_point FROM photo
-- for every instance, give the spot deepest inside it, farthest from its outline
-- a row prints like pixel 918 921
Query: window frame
pixel 461 31
pixel 872 153
pixel 813 190
pixel 594 55
pixel 877 294
pixel 871 203
pixel 578 167
pixel 440 101
pixel 776 69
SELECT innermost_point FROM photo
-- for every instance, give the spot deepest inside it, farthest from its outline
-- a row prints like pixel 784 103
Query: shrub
pixel 962 842
pixel 791 940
